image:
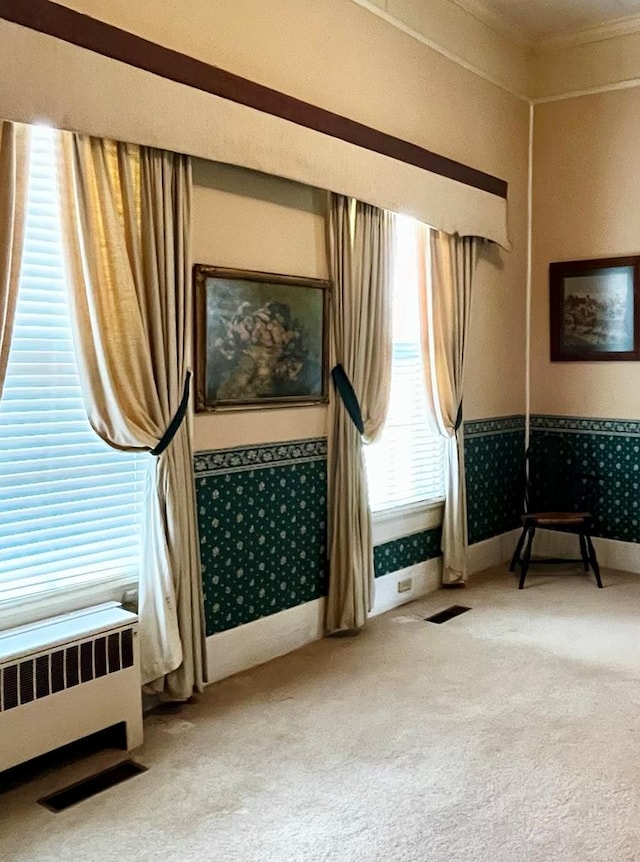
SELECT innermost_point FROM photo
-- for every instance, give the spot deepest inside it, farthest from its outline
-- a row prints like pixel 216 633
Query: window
pixel 70 506
pixel 405 467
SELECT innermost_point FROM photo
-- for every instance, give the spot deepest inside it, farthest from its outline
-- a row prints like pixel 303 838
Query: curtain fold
pixel 127 211
pixel 14 169
pixel 447 265
pixel 361 242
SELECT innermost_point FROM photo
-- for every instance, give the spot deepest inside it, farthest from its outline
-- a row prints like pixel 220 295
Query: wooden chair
pixel 560 494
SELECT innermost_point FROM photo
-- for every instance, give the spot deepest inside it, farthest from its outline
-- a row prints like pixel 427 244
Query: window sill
pixel 25 609
pixel 391 524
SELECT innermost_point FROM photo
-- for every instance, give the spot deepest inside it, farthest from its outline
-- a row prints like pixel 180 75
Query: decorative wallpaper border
pixel 583 425
pixel 242 458
pixel 496 425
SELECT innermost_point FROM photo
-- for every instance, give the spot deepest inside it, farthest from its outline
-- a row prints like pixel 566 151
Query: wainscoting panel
pixel 407 551
pixel 494 464
pixel 262 523
pixel 611 448
pixel 262 515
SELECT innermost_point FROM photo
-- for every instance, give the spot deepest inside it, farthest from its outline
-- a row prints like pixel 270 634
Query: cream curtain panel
pixel 14 168
pixel 361 241
pixel 127 211
pixel 447 264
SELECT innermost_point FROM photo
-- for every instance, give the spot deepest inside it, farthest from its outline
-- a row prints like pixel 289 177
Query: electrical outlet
pixel 404 586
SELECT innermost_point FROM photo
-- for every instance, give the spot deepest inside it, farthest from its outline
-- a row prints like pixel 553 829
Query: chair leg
pixel 594 561
pixel 516 554
pixel 583 552
pixel 526 559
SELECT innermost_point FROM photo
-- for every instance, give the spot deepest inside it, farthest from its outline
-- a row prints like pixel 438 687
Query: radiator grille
pixel 33 679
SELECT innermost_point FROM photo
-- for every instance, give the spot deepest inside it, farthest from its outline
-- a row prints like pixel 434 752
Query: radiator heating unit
pixel 67 677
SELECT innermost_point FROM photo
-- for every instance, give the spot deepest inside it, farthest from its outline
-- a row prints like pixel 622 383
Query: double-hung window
pixel 70 506
pixel 405 468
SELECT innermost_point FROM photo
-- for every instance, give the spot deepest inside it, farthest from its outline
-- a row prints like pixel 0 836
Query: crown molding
pixel 379 12
pixel 629 84
pixel 598 33
pixel 496 21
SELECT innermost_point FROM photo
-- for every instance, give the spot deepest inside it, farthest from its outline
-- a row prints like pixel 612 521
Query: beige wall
pixel 586 205
pixel 454 30
pixel 246 220
pixel 571 68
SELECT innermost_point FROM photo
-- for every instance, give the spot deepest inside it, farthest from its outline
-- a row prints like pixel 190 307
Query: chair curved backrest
pixel 561 493
pixel 558 480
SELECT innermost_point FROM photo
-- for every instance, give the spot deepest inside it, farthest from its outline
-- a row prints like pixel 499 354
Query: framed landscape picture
pixel 595 309
pixel 260 339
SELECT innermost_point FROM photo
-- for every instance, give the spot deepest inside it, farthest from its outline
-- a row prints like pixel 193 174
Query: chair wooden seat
pixel 561 492
pixel 549 519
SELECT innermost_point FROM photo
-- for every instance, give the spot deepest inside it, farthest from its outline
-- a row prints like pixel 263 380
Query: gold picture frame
pixel 261 339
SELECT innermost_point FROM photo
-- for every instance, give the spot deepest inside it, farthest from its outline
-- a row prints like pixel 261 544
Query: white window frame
pixel 390 524
pixel 395 522
pixel 21 607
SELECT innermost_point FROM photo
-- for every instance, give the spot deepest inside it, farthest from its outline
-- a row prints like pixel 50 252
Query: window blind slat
pixel 70 506
pixel 406 465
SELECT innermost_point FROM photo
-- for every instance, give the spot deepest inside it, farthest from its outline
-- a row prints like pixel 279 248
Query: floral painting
pixel 260 338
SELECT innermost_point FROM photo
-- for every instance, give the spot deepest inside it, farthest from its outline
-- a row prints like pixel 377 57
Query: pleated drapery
pixel 127 212
pixel 447 265
pixel 361 242
pixel 14 169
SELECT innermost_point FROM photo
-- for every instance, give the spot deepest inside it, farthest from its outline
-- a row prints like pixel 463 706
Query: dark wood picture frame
pixel 261 339
pixel 594 308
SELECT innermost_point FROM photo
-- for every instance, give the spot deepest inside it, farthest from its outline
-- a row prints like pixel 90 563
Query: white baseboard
pixel 491 552
pixel 425 578
pixel 612 554
pixel 262 640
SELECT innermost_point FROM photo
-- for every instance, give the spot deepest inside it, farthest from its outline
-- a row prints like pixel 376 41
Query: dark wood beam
pixel 102 38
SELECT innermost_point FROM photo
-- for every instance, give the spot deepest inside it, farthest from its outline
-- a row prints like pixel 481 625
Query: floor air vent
pixel 88 787
pixel 447 614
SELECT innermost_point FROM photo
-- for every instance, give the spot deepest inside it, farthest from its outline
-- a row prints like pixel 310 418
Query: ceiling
pixel 541 19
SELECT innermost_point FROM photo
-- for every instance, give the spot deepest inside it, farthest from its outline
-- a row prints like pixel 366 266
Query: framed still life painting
pixel 260 339
pixel 595 309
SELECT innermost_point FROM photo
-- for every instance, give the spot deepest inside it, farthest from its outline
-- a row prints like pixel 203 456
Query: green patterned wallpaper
pixel 400 553
pixel 611 449
pixel 494 459
pixel 262 524
pixel 262 519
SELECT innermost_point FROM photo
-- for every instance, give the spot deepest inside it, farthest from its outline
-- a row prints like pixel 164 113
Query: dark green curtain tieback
pixel 349 398
pixel 458 418
pixel 177 420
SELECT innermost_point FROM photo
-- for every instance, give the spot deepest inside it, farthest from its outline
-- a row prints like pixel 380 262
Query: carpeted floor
pixel 508 734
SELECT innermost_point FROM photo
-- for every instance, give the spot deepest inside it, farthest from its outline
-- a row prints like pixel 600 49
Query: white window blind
pixel 405 466
pixel 70 506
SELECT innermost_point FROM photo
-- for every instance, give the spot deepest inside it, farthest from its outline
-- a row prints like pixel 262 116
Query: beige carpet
pixel 509 733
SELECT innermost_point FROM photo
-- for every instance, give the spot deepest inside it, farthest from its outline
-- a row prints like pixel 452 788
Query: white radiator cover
pixel 66 677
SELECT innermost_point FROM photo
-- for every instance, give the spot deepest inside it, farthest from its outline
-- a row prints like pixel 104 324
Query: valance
pixel 44 79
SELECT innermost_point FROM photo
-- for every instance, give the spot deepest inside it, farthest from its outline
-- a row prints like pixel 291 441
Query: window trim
pixel 400 521
pixel 61 600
